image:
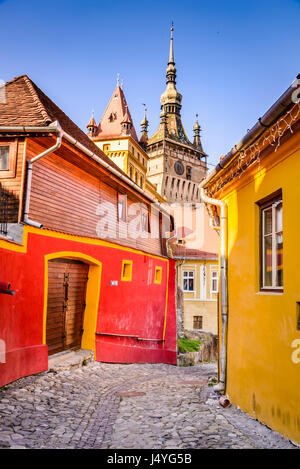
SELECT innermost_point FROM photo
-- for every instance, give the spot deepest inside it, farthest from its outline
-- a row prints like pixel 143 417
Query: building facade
pixel 81 247
pixel 257 187
pixel 198 278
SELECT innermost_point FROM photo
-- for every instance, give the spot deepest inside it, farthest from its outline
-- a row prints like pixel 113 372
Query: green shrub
pixel 188 345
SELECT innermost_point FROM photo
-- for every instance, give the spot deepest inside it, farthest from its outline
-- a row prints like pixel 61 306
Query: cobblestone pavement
pixel 125 406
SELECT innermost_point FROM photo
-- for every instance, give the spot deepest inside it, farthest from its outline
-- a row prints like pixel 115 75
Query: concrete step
pixel 69 359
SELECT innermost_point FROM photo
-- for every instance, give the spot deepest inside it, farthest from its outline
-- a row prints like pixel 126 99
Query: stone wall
pixel 208 351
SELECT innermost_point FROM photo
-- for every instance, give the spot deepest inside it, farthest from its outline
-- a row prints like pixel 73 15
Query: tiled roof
pixel 116 112
pixel 26 105
pixel 182 251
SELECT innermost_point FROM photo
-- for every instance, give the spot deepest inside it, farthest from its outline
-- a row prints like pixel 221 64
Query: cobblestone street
pixel 126 406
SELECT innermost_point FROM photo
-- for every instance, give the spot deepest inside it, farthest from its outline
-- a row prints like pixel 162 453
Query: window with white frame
pixel 188 280
pixel 271 243
pixel 214 281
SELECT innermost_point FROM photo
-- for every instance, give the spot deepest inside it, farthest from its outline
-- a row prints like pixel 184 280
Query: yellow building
pixel 254 192
pixel 198 278
pixel 128 155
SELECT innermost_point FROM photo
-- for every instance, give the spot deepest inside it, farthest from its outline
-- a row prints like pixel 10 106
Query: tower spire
pixel 171 70
pixel 171 55
pixel 170 100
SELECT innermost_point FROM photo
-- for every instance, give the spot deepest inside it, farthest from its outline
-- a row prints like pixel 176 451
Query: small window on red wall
pixel 8 155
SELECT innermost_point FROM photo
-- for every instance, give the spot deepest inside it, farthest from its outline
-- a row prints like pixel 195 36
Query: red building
pixel 81 245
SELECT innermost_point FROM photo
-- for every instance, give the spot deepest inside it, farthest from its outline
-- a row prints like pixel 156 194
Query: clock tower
pixel 176 165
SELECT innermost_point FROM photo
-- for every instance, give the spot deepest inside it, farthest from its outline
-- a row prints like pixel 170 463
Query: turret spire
pixel 171 70
pixel 197 139
pixel 144 129
pixel 171 55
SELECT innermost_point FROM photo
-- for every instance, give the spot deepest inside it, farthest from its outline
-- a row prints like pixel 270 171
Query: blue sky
pixel 233 58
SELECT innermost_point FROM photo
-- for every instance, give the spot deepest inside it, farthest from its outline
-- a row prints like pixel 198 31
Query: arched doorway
pixel 67 282
pixel 72 289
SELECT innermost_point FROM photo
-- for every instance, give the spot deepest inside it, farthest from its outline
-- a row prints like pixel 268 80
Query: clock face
pixel 179 168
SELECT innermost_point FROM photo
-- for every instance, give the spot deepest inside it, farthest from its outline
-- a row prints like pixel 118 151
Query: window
pixel 106 147
pixel 157 277
pixel 271 242
pixel 189 172
pixel 122 207
pixel 8 156
pixel 197 322
pixel 4 152
pixel 214 281
pixel 130 172
pixel 188 281
pixel 126 271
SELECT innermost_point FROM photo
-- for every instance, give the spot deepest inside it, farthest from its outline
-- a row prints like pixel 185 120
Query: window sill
pixel 270 292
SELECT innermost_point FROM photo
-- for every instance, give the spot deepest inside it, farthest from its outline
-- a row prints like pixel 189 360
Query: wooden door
pixel 67 281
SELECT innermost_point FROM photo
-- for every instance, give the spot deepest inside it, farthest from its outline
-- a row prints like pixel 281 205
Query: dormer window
pixel 112 117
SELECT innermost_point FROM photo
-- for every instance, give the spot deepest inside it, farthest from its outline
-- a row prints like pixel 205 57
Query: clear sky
pixel 234 58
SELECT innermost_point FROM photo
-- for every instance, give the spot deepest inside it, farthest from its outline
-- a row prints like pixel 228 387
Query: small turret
pixel 197 130
pixel 92 126
pixel 126 123
pixel 144 128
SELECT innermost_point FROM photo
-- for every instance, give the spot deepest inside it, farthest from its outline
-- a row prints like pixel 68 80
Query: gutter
pixel 95 157
pixel 280 107
pixel 221 386
pixel 30 163
pixel 55 127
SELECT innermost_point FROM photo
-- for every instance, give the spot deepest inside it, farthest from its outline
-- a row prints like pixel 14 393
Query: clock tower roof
pixel 171 126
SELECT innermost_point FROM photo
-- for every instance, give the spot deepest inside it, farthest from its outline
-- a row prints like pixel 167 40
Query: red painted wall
pixel 134 308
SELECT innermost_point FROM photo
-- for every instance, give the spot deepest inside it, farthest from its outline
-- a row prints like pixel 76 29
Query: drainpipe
pixel 59 134
pixel 223 280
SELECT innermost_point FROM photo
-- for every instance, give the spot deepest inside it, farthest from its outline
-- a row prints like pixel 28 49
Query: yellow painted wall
pixel 200 302
pixel 125 154
pixel 263 374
